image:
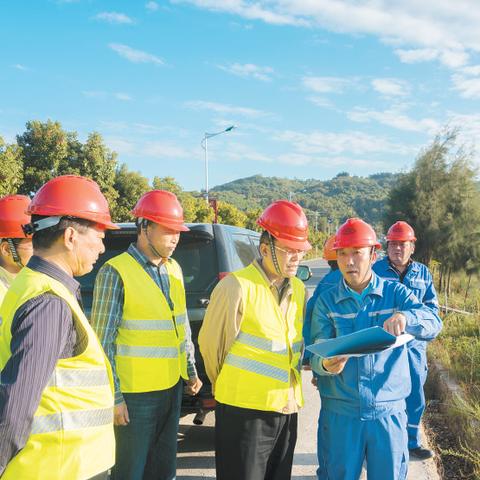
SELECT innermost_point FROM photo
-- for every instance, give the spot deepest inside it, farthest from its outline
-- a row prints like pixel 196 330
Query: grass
pixel 458 349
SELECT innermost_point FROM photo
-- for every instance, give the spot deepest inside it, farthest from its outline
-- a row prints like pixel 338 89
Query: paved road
pixel 196 454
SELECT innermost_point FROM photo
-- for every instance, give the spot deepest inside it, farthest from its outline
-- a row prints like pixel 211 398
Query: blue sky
pixel 314 87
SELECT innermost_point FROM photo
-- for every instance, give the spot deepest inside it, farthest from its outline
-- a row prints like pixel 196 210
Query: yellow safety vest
pixel 6 278
pixel 257 370
pixel 150 345
pixel 72 431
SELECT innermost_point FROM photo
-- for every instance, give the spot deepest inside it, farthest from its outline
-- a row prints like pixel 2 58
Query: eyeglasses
pixel 291 253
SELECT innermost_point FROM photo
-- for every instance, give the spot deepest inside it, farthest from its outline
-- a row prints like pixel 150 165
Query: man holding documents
pixel 363 398
pixel 399 267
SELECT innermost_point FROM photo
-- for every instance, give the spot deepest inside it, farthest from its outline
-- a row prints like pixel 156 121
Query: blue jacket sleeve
pixel 321 329
pixel 430 298
pixel 422 322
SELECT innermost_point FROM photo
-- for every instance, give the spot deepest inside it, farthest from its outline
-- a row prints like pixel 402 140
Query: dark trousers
pixel 146 449
pixel 100 476
pixel 253 444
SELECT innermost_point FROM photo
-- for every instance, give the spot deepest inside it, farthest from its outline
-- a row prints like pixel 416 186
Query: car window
pixel 243 250
pixel 114 246
pixel 198 261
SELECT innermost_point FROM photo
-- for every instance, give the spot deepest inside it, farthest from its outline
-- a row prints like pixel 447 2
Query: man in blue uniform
pixel 332 277
pixel 363 398
pixel 399 266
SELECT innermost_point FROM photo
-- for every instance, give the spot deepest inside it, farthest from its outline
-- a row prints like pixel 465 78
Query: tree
pixel 167 183
pixel 441 200
pixel 11 173
pixel 230 215
pixel 45 148
pixel 130 186
pixel 252 216
pixel 97 162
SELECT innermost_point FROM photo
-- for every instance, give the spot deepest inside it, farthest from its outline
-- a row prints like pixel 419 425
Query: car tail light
pixel 222 275
pixel 208 403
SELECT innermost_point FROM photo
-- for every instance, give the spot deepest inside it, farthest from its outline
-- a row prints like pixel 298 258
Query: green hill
pixel 334 200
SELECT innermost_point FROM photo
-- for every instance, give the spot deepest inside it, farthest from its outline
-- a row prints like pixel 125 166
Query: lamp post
pixel 205 148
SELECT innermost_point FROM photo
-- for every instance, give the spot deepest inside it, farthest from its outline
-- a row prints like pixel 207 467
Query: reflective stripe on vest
pixel 63 378
pixel 73 420
pixel 257 367
pixel 72 430
pixel 264 361
pixel 150 344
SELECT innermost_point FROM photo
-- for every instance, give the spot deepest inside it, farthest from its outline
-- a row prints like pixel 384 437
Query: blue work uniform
pixel 330 279
pixel 419 280
pixel 363 408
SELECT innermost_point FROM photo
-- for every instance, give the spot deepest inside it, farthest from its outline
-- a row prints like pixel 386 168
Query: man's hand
pixel 334 364
pixel 120 415
pixel 193 386
pixel 395 324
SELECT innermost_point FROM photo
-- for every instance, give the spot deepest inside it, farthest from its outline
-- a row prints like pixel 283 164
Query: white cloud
pixel 469 127
pixel 394 118
pixel 98 94
pixel 454 58
pixel 417 55
pixel 390 87
pixel 449 57
pixel 114 17
pixel 249 70
pixel 471 70
pixel 94 94
pixel 160 149
pixel 135 56
pixel 152 6
pixel 296 159
pixel 253 10
pixel 334 144
pixel 469 87
pixel 238 152
pixel 122 96
pixel 321 102
pixel 124 145
pixel 325 84
pixel 224 108
pixel 21 67
pixel 120 145
pixel 449 28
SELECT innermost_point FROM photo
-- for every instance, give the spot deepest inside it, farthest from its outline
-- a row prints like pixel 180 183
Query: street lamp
pixel 205 147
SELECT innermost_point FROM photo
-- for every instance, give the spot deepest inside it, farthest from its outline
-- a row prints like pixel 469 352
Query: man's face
pixel 355 263
pixel 163 239
pixel 87 247
pixel 399 253
pixel 288 259
pixel 25 250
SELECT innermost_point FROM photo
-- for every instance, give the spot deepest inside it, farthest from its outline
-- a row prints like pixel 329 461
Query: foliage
pixel 45 149
pixel 440 198
pixel 130 186
pixel 11 173
pixel 330 202
pixel 458 349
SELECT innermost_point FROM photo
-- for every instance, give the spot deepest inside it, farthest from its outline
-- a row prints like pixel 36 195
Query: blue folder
pixel 363 342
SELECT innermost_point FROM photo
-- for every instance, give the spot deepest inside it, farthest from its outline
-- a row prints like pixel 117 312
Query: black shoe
pixel 421 453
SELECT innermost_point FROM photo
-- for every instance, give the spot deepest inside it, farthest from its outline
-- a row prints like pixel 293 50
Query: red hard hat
pixel 401 232
pixel 75 196
pixel 286 222
pixel 328 252
pixel 161 207
pixel 355 233
pixel 13 216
